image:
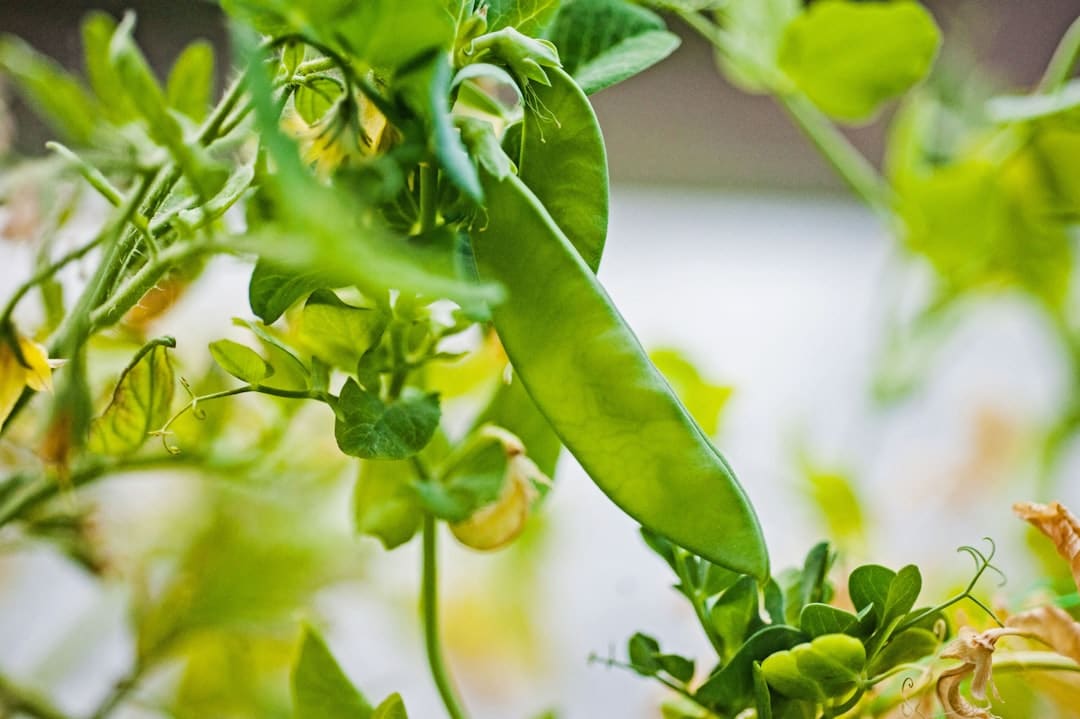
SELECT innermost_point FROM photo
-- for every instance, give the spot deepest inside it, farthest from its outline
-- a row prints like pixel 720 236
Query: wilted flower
pixel 976 651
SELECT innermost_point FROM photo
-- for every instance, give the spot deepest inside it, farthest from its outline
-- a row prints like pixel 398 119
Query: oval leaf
pixel 370 429
pixel 240 361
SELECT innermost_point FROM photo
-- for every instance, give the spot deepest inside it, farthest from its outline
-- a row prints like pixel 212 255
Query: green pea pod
pixel 588 374
pixel 564 163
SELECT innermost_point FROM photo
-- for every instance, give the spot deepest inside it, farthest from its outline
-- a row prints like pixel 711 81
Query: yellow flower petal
pixel 12 379
pixel 38 371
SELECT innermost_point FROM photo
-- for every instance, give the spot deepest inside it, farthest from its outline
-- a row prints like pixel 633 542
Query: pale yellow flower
pixel 33 370
pixel 332 142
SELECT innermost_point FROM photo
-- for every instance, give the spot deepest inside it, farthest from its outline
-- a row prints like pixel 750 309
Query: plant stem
pixel 15 700
pixel 691 592
pixel 849 163
pixel 430 606
pixel 1064 61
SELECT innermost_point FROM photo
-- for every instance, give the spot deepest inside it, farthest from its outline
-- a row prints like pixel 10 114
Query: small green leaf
pixel 384 503
pixel 528 16
pixel 909 645
pixel 869 584
pixel 240 361
pixel 762 698
pixel 677 667
pixel 851 57
pixel 818 619
pixel 320 688
pixel 391 708
pixel 340 333
pixel 190 86
pixel 903 592
pixel 625 60
pixel 369 429
pixel 733 612
pixel 316 96
pixel 643 651
pixel 811 584
pixel 289 372
pixel 292 54
pixel 140 404
pixel 274 289
pixel 603 42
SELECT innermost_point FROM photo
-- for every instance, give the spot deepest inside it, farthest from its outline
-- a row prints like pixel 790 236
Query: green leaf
pixel 55 95
pixel 568 369
pixel 140 404
pixel 704 400
pixel 384 503
pixel 340 333
pixel 97 31
pixel 903 592
pixel 603 42
pixel 909 645
pixel 762 698
pixel 274 289
pixel 369 429
pixel 677 667
pixel 384 34
pixel 528 16
pixel 754 31
pixel 240 361
pixel 627 59
pixel 316 96
pixel 190 87
pixel 393 707
pixel 290 373
pixel 643 651
pixel 818 619
pixel 811 584
pixel 320 688
pixel 851 57
pixel 869 584
pixel 733 613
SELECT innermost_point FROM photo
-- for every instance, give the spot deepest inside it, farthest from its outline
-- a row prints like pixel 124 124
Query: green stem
pixel 430 602
pixel 691 592
pixel 859 174
pixel 136 287
pixel 429 193
pixel 15 700
pixel 1064 61
pixel 852 165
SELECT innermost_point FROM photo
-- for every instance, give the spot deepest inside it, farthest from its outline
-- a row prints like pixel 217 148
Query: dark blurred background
pixel 680 122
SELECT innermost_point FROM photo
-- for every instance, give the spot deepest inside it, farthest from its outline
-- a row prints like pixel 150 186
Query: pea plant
pixel 421 190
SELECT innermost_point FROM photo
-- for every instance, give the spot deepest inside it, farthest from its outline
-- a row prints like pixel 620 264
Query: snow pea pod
pixel 563 162
pixel 592 380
